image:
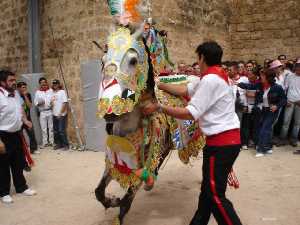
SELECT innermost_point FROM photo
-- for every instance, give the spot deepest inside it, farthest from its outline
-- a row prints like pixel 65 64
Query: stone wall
pixel 76 23
pixel 265 29
pixel 245 28
pixel 13 35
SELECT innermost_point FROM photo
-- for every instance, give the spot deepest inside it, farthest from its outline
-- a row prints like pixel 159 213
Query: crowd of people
pixel 15 120
pixel 267 100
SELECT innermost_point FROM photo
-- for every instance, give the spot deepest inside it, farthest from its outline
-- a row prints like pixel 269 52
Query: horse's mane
pixel 150 81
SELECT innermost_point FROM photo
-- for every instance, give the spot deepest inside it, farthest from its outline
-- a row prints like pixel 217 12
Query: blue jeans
pixel 59 130
pixel 266 130
pixel 290 111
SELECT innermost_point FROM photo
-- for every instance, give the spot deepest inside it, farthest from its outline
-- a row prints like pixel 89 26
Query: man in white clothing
pixel 42 100
pixel 292 107
pixel 213 105
pixel 12 117
pixel 59 104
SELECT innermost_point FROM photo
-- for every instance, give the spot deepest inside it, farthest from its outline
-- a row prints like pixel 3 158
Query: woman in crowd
pixel 272 98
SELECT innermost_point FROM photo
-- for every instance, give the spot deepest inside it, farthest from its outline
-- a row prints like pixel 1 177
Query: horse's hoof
pixel 148 187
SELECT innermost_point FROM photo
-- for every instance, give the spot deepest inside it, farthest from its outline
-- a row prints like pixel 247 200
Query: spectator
pixel 241 69
pixel 59 103
pixel 285 71
pixel 292 108
pixel 249 117
pixel 12 118
pixel 277 66
pixel 181 67
pixel 27 104
pixel 267 63
pixel 273 98
pixel 42 100
pixel 249 66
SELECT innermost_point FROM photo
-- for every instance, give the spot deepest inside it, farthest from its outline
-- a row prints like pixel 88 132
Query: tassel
pixel 26 151
pixel 233 180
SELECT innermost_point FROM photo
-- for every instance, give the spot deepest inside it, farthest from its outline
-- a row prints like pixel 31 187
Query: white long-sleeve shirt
pixel 293 88
pixel 213 104
pixel 10 112
pixel 43 96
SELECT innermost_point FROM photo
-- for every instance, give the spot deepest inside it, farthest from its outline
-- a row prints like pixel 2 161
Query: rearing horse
pixel 136 145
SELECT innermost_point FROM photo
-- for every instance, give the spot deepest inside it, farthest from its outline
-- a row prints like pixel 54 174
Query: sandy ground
pixel 65 181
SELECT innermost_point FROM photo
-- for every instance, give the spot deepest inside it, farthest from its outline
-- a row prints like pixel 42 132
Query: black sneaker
pixel 56 147
pixel 297 152
pixel 27 168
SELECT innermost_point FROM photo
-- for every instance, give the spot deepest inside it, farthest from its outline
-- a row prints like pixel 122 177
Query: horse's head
pixel 125 74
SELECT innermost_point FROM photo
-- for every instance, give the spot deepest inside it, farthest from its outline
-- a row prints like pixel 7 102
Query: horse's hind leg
pixel 100 192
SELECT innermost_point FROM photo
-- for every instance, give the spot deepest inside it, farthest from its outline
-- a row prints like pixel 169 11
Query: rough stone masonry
pixel 245 28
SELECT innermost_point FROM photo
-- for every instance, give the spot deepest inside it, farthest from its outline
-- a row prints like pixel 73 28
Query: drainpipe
pixel 34 45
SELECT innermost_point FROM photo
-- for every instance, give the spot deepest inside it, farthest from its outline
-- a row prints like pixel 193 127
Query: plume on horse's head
pixel 126 63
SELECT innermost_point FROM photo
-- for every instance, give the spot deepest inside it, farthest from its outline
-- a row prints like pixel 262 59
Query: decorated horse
pixel 138 145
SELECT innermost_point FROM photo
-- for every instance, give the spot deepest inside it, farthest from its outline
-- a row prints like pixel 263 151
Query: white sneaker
pixel 244 147
pixel 269 151
pixel 7 199
pixel 259 155
pixel 29 192
pixel 36 152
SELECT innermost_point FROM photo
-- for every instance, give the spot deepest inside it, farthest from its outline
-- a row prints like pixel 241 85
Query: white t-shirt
pixel 44 96
pixel 10 112
pixel 293 88
pixel 59 98
pixel 213 104
pixel 265 98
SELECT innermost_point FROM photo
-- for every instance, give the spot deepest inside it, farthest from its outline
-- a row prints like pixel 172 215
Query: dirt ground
pixel 65 181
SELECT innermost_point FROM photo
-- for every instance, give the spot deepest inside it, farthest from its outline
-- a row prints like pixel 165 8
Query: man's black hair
pixel 42 79
pixel 20 84
pixel 281 56
pixel 4 74
pixel 211 51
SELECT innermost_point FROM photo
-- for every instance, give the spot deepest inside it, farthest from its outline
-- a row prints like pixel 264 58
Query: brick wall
pixel 246 29
pixel 77 23
pixel 13 35
pixel 265 29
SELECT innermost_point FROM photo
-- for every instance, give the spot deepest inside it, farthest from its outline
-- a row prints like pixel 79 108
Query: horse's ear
pixel 139 31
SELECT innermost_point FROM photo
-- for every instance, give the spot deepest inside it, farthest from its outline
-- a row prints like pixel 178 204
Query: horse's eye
pixel 133 62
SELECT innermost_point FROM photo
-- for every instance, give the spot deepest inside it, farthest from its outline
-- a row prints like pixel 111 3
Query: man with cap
pixel 12 118
pixel 59 104
pixel 292 107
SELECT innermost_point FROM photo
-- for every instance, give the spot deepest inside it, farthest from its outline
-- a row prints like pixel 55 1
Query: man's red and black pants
pixel 217 164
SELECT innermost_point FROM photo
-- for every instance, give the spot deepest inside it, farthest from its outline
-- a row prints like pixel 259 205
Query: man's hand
pixel 273 108
pixel 289 104
pixel 150 108
pixel 28 124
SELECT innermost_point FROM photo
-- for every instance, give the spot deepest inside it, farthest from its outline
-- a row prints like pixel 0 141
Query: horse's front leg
pixel 100 192
pixel 126 203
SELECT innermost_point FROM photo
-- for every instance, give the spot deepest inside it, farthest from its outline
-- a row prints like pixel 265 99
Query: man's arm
pixel 25 120
pixel 27 101
pixel 174 89
pixel 176 112
pixel 37 99
pixel 64 108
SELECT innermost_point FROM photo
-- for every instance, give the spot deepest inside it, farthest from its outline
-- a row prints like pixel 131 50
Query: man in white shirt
pixel 12 117
pixel 292 107
pixel 42 100
pixel 59 104
pixel 213 105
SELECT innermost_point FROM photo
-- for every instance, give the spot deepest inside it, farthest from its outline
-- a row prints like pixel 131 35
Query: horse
pixel 136 145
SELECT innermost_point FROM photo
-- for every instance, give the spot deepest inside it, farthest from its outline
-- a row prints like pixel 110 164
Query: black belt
pixel 45 110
